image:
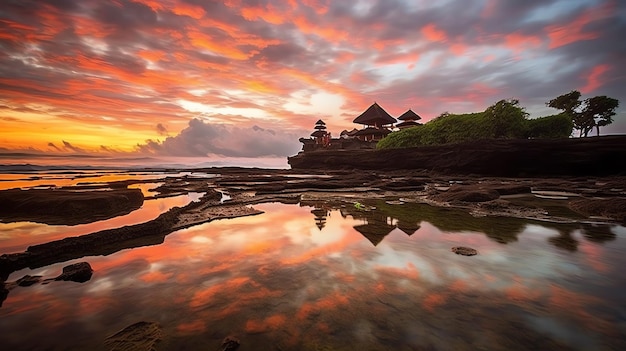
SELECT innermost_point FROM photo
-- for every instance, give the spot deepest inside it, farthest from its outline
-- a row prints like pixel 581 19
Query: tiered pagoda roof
pixel 409 119
pixel 375 116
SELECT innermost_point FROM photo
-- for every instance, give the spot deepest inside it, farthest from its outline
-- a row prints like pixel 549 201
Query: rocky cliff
pixel 595 156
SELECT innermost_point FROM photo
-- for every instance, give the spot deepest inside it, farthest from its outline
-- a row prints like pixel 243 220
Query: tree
pixel 506 119
pixel 567 102
pixel 592 112
pixel 601 109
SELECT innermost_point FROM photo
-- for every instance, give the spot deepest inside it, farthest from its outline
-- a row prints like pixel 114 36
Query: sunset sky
pixel 236 78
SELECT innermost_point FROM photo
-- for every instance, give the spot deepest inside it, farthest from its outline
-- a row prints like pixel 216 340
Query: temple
pixel 376 124
pixel 409 119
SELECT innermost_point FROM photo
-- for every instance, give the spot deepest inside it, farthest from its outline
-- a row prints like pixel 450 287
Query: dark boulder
pixel 28 280
pixel 467 193
pixel 230 343
pixel 465 251
pixel 78 272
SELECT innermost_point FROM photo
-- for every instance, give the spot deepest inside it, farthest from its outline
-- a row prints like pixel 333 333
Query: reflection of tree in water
pixel 408 216
pixel 564 241
pixel 500 229
pixel 597 233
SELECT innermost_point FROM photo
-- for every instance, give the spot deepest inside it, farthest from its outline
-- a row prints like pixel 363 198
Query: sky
pixel 244 79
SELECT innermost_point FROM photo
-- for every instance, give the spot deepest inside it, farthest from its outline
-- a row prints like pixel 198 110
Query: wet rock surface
pixel 589 199
pixel 230 343
pixel 465 251
pixel 141 336
pixel 67 206
pixel 78 272
pixel 28 280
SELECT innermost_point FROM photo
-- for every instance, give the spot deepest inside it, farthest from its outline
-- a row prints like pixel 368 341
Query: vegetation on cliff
pixel 505 119
pixel 587 114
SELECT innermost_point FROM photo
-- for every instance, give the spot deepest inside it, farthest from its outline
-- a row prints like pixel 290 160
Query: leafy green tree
pixel 592 112
pixel 506 119
pixel 567 102
pixel 601 109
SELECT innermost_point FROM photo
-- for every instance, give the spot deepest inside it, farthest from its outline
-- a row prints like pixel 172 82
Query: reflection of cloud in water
pixel 277 281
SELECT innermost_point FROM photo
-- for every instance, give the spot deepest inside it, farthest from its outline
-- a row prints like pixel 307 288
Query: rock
pixel 467 193
pixel 465 251
pixel 495 157
pixel 4 293
pixel 614 208
pixel 28 280
pixel 141 336
pixel 67 206
pixel 78 272
pixel 512 189
pixel 230 343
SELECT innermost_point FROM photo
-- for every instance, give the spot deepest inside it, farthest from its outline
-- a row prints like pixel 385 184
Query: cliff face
pixel 595 156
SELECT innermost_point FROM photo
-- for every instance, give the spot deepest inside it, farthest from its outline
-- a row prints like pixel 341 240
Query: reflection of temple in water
pixel 376 226
pixel 407 227
pixel 374 231
pixel 320 217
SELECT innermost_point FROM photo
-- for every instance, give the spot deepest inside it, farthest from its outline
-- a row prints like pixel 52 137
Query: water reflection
pixel 17 236
pixel 278 281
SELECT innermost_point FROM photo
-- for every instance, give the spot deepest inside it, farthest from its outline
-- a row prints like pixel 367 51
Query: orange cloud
pixel 329 33
pixel 186 9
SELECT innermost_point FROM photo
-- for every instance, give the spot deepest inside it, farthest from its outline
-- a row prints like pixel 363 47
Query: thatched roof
pixel 410 116
pixel 319 121
pixel 375 115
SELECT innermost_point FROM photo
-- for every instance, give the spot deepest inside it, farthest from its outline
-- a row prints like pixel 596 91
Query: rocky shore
pixel 566 199
pixel 596 156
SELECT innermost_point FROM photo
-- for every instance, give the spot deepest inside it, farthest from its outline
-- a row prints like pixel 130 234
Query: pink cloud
pixel 594 78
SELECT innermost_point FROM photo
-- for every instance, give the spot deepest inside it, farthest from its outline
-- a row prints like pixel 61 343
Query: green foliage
pixel 447 128
pixel 567 102
pixel 555 126
pixel 506 119
pixel 592 112
pixel 602 109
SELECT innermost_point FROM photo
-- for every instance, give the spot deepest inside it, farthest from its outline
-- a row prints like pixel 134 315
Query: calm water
pixel 323 277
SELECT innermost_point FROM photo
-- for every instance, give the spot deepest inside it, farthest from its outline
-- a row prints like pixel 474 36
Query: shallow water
pixel 336 278
pixel 17 236
pixel 72 178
